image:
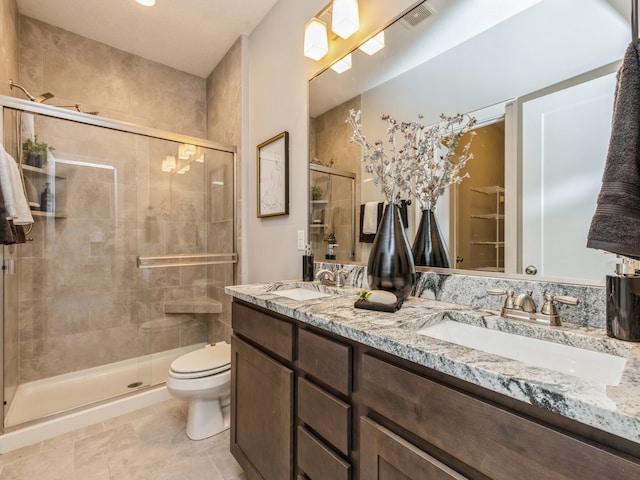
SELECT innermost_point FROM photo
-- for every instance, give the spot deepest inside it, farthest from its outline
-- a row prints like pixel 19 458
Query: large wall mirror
pixel 539 76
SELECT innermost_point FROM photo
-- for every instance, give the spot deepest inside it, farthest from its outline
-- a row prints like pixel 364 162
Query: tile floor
pixel 149 444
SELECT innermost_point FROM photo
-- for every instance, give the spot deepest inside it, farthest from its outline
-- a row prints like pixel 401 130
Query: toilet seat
pixel 203 362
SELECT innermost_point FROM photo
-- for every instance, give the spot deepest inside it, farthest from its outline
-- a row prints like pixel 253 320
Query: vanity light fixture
pixel 169 164
pixel 146 3
pixel 316 44
pixel 345 18
pixel 342 65
pixel 374 44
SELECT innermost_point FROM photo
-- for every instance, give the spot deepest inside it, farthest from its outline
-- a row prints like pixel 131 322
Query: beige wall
pixel 101 78
pixel 8 44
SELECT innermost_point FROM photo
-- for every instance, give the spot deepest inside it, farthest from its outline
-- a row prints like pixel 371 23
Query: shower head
pixel 38 99
pixel 43 97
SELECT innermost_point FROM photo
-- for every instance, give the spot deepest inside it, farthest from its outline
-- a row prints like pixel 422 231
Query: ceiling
pixel 188 35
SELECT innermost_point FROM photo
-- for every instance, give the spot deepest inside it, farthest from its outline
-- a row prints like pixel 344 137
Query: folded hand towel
pixel 379 307
pixel 370 218
pixel 14 198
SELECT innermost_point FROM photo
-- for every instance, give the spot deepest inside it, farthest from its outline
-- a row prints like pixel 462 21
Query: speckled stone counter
pixel 614 409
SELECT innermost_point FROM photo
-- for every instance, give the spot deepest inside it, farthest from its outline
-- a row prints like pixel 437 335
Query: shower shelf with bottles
pixel 39 177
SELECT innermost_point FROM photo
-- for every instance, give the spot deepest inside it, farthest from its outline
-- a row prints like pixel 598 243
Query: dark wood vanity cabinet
pixel 324 369
pixel 262 394
pixel 278 365
pixel 469 436
pixel 311 405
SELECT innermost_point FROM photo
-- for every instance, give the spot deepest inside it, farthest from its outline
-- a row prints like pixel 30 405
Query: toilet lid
pixel 204 359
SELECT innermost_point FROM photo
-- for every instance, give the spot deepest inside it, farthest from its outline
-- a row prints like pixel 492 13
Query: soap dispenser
pixel 307 264
pixel 47 200
pixel 623 301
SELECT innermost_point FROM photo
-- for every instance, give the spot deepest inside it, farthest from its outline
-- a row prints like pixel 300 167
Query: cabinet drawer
pixel 269 332
pixel 492 440
pixel 317 461
pixel 384 455
pixel 326 360
pixel 328 416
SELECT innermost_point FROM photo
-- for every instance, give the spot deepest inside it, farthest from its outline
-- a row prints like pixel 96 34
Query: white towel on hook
pixel 370 218
pixel 14 198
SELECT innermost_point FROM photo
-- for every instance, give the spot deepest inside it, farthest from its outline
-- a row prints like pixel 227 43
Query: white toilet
pixel 203 378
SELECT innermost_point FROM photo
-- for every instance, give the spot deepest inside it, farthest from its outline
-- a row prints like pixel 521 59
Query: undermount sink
pixel 300 294
pixel 595 367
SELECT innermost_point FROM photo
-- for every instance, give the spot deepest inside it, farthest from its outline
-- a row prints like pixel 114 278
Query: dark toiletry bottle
pixel 331 255
pixel 46 200
pixel 307 264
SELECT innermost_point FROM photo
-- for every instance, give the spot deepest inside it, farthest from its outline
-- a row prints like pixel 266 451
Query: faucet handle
pixel 566 299
pixel 341 277
pixel 508 302
pixel 550 309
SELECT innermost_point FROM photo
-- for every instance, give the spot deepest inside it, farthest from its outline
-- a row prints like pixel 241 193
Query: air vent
pixel 417 15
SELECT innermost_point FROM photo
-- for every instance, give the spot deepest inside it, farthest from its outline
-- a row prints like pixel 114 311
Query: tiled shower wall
pixel 90 313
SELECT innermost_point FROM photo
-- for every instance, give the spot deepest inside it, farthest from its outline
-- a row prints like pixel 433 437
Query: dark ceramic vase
pixel 391 265
pixel 428 247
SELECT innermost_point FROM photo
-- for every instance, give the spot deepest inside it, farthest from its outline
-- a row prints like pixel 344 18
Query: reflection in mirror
pixel 535 73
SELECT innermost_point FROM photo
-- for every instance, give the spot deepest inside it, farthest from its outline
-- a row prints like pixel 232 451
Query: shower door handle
pixel 9 267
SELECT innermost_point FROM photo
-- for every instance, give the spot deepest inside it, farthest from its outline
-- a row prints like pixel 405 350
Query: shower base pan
pixel 42 398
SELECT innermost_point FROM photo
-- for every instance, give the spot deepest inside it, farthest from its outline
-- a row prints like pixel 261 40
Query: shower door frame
pixel 121 126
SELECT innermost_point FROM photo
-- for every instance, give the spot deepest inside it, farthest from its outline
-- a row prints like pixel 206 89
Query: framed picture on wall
pixel 273 176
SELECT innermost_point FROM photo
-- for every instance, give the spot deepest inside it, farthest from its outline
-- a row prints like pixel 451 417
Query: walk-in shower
pixel 125 268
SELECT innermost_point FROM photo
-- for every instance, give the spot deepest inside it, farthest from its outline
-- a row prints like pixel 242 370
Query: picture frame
pixel 273 176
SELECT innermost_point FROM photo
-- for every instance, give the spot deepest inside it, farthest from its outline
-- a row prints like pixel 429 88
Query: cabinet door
pixel 261 413
pixel 386 456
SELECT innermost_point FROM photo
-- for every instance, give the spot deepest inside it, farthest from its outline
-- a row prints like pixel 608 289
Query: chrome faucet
pixel 327 277
pixel 524 308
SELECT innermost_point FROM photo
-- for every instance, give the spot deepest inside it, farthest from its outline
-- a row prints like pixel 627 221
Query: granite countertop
pixel 614 409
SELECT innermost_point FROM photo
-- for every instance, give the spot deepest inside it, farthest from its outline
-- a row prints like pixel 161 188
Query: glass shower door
pixel 85 320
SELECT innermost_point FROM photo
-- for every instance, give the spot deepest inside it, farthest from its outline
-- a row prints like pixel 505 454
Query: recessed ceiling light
pixel 146 3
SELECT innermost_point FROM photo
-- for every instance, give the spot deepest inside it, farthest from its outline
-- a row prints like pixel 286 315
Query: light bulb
pixel 345 18
pixel 316 44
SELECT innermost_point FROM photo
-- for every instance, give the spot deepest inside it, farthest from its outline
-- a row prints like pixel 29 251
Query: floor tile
pixel 149 444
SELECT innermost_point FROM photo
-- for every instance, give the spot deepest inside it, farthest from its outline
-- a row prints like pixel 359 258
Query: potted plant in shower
pixel 35 152
pixel 316 192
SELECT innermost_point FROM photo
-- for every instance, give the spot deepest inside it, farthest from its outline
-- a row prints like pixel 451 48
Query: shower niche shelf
pixel 38 178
